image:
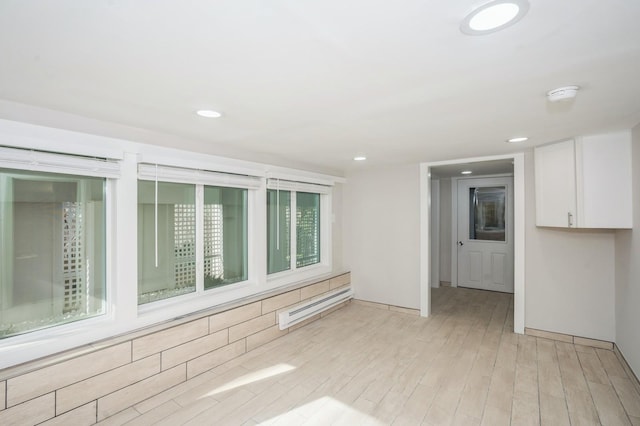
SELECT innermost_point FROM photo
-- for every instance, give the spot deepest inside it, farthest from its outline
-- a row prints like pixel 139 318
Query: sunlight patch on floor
pixel 326 410
pixel 252 377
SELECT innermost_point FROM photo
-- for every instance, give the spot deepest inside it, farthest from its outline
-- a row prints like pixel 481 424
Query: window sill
pixel 306 274
pixel 193 302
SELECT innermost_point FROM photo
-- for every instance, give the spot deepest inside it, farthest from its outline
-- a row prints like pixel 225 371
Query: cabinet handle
pixel 570 219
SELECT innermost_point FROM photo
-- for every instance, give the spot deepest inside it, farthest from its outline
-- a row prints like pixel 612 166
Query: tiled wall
pixel 99 383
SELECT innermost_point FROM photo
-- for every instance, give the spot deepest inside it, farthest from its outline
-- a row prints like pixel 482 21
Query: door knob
pixel 460 243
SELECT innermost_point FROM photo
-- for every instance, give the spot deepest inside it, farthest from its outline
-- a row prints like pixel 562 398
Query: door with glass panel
pixel 485 234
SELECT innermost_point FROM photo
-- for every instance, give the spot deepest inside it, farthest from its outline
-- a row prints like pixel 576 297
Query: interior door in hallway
pixel 485 233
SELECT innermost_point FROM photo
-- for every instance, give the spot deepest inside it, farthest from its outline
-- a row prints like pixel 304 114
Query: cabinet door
pixel 555 177
pixel 604 180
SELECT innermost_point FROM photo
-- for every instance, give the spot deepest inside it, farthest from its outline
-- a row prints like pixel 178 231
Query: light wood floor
pixel 362 365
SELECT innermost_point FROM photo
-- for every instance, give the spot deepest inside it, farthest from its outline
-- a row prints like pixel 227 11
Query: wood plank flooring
pixel 367 366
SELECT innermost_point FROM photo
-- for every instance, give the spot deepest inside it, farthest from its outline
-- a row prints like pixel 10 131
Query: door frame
pixel 435 236
pixel 519 233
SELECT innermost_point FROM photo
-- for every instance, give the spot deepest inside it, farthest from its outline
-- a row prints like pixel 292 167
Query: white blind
pixel 204 177
pixel 23 159
pixel 288 185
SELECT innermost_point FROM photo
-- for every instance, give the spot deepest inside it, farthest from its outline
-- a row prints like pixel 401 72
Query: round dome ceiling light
pixel 494 16
pixel 562 93
pixel 208 113
pixel 359 158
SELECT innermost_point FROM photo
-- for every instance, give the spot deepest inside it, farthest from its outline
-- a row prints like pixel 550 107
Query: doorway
pixel 501 277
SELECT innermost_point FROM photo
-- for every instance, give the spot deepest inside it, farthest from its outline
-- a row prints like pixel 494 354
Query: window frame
pixel 70 165
pixel 192 190
pixel 295 273
pixel 199 179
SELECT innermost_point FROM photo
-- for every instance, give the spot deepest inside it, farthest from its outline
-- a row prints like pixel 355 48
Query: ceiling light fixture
pixel 516 140
pixel 466 172
pixel 208 113
pixel 494 16
pixel 359 158
pixel 562 93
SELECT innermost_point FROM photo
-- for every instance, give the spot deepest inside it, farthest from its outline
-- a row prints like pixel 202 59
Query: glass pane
pixel 487 213
pixel 225 236
pixel 175 272
pixel 307 229
pixel 52 240
pixel 278 231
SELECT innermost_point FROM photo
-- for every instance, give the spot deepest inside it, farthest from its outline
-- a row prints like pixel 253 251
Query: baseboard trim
pixel 385 307
pixel 627 368
pixel 568 338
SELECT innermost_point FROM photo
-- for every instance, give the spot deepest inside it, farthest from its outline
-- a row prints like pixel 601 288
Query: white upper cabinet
pixel 555 172
pixel 585 183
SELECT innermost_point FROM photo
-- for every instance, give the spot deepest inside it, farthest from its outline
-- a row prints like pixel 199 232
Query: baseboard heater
pixel 313 307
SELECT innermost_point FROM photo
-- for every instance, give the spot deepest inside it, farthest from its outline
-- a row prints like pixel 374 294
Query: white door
pixel 485 233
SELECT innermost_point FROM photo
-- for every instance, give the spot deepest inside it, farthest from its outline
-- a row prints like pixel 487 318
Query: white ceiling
pixel 316 82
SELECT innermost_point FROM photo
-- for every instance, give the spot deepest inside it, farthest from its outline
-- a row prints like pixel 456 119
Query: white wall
pixel 627 249
pixel 382 234
pixel 569 275
pixel 445 230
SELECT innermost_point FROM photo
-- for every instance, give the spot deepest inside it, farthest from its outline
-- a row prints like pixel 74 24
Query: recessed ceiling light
pixel 516 140
pixel 466 172
pixel 494 16
pixel 208 113
pixel 359 158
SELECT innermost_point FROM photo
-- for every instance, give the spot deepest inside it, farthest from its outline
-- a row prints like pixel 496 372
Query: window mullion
pixel 294 231
pixel 199 238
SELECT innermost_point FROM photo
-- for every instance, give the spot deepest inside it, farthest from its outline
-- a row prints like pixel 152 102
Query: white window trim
pixel 38 161
pixel 196 176
pixel 122 313
pixel 295 274
pixel 48 139
pixel 287 185
pixel 201 298
pixel 57 337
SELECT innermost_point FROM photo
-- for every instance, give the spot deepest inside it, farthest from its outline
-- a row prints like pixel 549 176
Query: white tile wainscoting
pixel 91 383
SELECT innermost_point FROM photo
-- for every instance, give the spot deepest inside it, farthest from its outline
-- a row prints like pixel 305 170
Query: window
pixel 302 235
pixel 69 277
pixel 307 229
pixel 487 213
pixel 166 240
pixel 225 236
pixel 53 244
pixel 192 237
pixel 278 230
